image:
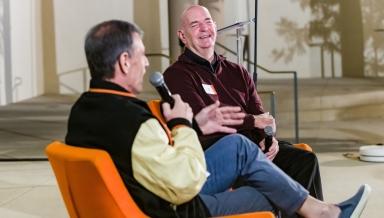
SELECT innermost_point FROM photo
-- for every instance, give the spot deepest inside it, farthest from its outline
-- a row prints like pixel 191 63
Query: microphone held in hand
pixel 268 130
pixel 157 80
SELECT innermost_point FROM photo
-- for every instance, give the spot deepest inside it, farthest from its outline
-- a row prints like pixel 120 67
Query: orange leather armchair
pixel 89 183
pixel 91 186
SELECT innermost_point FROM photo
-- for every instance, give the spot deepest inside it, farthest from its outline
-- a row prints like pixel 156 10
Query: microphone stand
pixel 239 27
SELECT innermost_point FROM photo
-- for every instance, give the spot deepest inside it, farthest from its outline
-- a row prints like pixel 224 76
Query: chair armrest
pixel 263 214
pixel 303 146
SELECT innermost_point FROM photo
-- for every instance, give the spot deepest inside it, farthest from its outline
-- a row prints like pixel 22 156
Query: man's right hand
pixel 179 110
pixel 264 120
pixel 213 118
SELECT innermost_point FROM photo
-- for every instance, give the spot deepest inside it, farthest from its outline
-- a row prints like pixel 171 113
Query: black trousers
pixel 302 166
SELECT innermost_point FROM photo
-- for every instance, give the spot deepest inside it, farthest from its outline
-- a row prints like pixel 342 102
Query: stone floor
pixel 28 189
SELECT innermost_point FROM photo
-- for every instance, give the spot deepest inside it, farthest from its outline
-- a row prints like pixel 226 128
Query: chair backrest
pixel 90 183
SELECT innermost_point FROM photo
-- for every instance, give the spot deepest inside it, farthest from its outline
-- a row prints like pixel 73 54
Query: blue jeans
pixel 235 156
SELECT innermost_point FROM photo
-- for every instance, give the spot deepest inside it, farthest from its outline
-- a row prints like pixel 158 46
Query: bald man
pixel 201 76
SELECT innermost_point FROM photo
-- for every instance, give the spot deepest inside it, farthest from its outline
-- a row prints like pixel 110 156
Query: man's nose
pixel 203 26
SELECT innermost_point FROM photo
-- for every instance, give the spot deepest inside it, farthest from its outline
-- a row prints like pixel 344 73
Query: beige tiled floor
pixel 29 190
pixel 341 177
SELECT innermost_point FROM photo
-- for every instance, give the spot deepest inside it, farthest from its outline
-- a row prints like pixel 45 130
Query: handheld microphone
pixel 157 80
pixel 268 130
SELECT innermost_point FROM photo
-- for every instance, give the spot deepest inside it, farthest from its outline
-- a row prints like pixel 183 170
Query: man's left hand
pixel 273 150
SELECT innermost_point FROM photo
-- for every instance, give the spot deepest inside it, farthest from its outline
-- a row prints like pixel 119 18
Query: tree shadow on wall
pixel 339 27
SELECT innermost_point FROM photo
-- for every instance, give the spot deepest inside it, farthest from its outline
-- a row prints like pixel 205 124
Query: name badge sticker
pixel 209 89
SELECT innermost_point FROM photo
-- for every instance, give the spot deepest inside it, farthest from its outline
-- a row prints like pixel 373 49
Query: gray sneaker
pixel 353 207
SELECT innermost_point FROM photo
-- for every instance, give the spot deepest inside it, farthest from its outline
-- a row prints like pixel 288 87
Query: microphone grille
pixel 156 79
pixel 268 130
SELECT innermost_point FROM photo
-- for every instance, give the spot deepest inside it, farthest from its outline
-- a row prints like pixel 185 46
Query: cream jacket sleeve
pixel 175 173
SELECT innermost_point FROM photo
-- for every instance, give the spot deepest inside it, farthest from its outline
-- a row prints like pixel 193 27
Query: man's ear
pixel 124 62
pixel 181 36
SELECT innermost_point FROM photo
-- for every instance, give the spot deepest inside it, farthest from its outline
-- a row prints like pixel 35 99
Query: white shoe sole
pixel 362 203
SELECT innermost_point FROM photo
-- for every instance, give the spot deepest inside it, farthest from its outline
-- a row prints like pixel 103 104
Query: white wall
pixel 2 54
pixel 270 13
pixel 164 34
pixel 73 19
pixel 306 64
pixel 25 51
pixel 2 85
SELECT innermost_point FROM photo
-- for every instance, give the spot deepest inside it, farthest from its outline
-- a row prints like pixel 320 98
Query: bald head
pixel 191 10
pixel 198 31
